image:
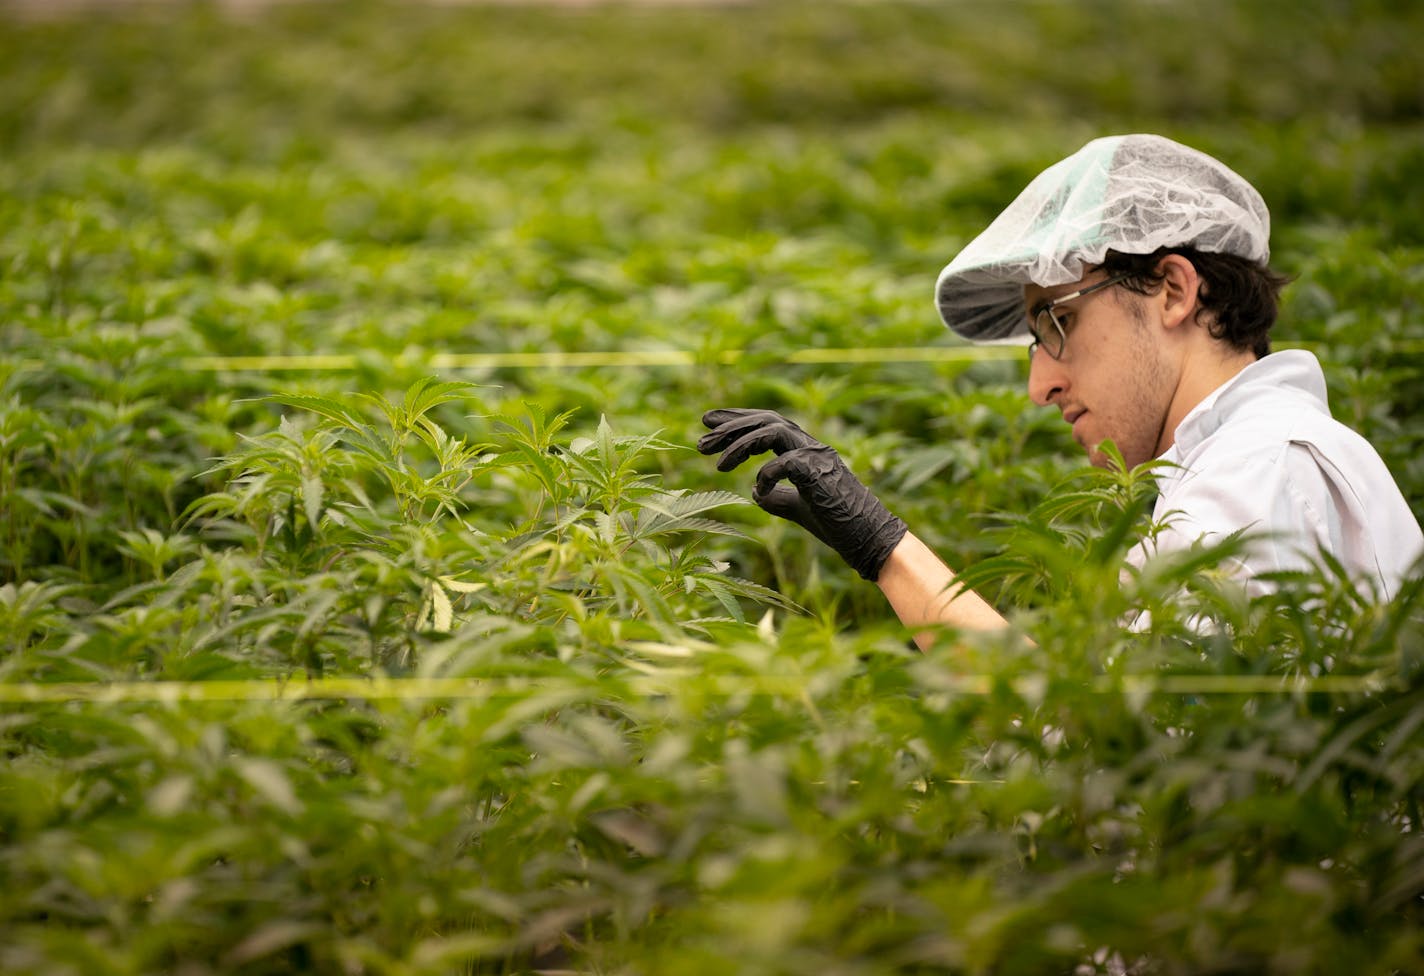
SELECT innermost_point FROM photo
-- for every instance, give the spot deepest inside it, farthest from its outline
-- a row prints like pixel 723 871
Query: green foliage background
pixel 639 728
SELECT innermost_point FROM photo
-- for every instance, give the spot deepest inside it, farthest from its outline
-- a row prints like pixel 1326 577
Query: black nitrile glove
pixel 826 498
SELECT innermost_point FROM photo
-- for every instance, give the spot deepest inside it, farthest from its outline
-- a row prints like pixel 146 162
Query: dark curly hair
pixel 1240 296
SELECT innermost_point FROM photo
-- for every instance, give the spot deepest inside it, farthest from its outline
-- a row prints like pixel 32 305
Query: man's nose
pixel 1047 380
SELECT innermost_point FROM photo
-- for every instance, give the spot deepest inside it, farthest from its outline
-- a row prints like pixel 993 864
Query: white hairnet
pixel 1130 194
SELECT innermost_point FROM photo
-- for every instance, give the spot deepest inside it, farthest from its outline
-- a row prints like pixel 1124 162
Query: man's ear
pixel 1179 294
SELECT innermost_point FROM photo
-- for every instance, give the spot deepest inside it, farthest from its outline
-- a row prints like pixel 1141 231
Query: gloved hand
pixel 823 496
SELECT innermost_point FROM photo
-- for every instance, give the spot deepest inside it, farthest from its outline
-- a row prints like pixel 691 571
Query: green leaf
pixel 333 410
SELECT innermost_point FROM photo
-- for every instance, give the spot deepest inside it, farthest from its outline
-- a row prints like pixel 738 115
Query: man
pixel 1136 269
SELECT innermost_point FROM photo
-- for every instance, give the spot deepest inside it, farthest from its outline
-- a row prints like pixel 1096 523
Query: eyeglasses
pixel 1045 328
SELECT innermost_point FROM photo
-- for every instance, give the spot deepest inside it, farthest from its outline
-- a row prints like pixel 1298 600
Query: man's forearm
pixel 924 591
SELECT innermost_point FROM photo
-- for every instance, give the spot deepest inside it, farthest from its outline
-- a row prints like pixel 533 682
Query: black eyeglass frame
pixel 1039 330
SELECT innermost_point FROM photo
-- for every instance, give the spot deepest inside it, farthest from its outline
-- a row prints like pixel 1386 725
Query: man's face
pixel 1114 378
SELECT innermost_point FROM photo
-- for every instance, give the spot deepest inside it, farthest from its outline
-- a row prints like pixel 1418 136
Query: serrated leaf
pixel 462 586
pixel 705 526
pixel 604 438
pixel 691 503
pixel 332 410
pixel 607 527
pixel 442 614
pixel 723 594
pixel 427 393
pixel 313 493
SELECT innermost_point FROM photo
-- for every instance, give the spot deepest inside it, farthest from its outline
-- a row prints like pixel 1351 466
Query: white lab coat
pixel 1263 454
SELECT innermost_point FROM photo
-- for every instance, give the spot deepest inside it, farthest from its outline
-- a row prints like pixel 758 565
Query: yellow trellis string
pixel 559 359
pixel 424 689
